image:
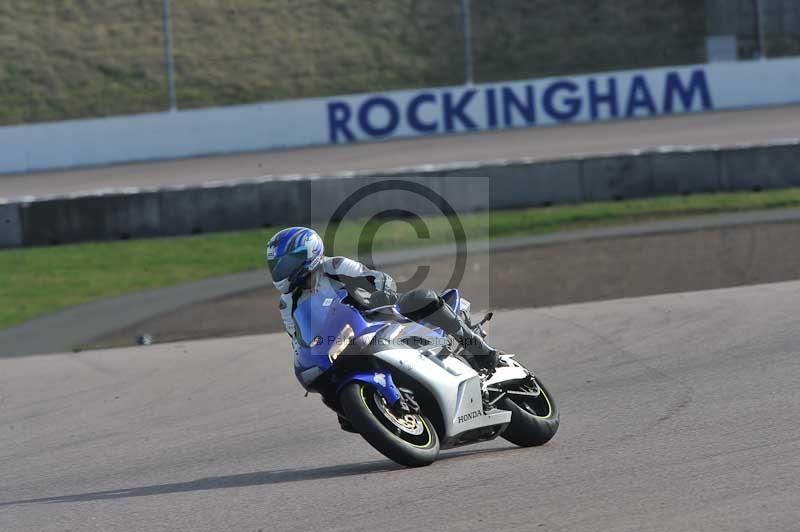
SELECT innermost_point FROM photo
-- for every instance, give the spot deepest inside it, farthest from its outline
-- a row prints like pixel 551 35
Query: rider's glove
pixel 382 298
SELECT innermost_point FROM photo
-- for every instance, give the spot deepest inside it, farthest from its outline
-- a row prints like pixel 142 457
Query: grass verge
pixel 88 58
pixel 37 281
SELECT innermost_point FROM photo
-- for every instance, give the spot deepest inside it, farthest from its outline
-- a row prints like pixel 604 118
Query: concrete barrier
pixel 210 209
pixel 615 177
pixel 536 184
pixel 760 167
pixel 230 207
pixel 101 217
pixel 10 225
pixel 684 172
pixel 467 193
pixel 362 196
pixel 284 202
pixel 296 200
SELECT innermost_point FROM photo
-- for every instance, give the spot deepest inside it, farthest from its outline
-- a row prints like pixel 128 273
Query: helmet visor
pixel 282 267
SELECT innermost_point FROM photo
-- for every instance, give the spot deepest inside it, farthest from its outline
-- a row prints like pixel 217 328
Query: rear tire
pixel 414 446
pixel 534 420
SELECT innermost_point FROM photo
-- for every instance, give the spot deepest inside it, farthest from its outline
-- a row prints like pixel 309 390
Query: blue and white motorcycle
pixel 406 388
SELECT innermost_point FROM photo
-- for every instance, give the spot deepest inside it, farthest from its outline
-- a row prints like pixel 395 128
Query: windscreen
pixel 323 314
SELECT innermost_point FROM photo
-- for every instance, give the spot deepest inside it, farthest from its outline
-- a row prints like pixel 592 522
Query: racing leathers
pixel 336 273
pixel 420 305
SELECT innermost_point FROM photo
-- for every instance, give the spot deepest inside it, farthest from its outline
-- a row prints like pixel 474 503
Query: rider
pixel 298 266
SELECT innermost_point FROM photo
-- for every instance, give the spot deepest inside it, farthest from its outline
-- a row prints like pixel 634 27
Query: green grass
pixel 79 58
pixel 82 58
pixel 37 281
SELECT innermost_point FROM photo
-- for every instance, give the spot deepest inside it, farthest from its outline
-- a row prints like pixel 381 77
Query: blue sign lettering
pixel 456 110
pixel 639 96
pixel 512 104
pixel 609 97
pixel 338 116
pixel 697 85
pixel 572 104
pixel 412 114
pixel 527 108
pixel 364 113
pixel 491 109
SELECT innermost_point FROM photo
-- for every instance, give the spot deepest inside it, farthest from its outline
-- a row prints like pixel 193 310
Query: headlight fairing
pixel 343 339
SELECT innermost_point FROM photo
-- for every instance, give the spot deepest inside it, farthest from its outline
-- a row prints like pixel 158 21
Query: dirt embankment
pixel 546 275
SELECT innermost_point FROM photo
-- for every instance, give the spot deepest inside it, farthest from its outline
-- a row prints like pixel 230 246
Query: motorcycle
pixel 408 389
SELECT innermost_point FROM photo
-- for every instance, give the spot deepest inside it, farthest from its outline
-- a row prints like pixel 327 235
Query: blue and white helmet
pixel 292 254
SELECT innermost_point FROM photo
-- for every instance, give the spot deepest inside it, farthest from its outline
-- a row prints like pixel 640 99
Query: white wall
pixel 528 103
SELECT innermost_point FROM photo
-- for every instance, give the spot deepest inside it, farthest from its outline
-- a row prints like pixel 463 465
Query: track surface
pixel 702 129
pixel 679 412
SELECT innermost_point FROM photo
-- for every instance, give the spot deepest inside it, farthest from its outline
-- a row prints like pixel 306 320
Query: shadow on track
pixel 260 478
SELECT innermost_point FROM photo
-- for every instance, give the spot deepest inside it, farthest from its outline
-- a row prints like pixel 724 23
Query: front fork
pixel 381 380
pixel 399 400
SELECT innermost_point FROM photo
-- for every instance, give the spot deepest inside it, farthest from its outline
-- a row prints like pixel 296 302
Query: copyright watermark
pixel 429 232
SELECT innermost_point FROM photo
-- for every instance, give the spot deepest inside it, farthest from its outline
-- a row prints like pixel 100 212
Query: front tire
pixel 410 441
pixel 534 420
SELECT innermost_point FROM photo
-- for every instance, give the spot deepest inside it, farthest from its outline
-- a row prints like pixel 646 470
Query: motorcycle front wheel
pixel 534 417
pixel 409 440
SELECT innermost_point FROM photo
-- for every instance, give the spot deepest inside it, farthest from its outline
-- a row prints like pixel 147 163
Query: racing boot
pixel 482 355
pixel 426 306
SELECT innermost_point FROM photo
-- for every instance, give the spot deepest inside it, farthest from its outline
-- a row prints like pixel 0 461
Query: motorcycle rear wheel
pixel 409 440
pixel 534 420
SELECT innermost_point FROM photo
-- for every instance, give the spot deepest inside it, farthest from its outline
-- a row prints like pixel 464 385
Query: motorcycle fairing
pixel 455 386
pixel 382 380
pixel 322 315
